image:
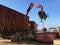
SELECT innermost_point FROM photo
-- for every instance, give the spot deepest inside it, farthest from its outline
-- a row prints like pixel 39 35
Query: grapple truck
pixel 15 25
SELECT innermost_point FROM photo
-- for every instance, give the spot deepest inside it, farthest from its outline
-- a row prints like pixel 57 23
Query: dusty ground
pixel 8 42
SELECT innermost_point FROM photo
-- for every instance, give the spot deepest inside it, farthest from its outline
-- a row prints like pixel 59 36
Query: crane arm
pixel 35 5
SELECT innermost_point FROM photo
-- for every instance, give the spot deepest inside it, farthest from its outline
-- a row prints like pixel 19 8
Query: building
pixel 58 29
pixel 53 29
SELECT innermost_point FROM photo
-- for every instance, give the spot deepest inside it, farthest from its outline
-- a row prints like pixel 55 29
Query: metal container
pixel 12 21
pixel 46 36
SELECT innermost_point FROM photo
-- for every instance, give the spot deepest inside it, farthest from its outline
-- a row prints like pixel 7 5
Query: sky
pixel 51 7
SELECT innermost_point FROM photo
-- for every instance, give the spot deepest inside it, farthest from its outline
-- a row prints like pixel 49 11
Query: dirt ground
pixel 8 42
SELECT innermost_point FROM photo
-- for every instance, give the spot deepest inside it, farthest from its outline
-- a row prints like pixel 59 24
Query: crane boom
pixel 41 13
pixel 35 5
